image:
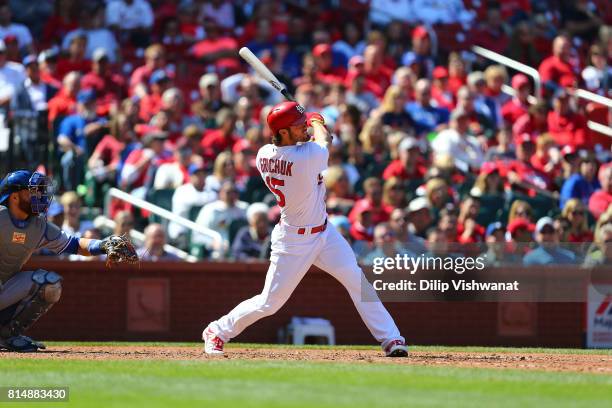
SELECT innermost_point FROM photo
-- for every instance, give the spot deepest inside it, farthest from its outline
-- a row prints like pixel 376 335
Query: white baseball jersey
pixel 293 175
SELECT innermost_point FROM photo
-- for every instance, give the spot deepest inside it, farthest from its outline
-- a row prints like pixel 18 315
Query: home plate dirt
pixel 593 363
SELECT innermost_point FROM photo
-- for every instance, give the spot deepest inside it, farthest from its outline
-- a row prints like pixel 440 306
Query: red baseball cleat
pixel 212 343
pixel 396 348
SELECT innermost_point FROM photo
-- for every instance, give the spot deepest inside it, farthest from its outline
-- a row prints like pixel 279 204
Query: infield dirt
pixel 587 363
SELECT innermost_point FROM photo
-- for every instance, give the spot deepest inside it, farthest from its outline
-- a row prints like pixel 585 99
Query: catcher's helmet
pixel 36 183
pixel 284 115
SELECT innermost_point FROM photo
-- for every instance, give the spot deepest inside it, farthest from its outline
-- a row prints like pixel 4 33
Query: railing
pixel 102 221
pixel 218 244
pixel 526 69
pixel 509 62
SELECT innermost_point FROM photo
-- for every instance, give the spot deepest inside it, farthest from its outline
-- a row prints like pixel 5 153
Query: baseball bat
pixel 264 72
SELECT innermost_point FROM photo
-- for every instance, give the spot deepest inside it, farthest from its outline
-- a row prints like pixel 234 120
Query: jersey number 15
pixel 272 184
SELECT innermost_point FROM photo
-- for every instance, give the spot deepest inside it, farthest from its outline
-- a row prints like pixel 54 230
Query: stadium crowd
pixel 431 154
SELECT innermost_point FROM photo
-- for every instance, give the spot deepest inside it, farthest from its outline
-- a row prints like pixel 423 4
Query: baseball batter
pixel 291 168
pixel 27 295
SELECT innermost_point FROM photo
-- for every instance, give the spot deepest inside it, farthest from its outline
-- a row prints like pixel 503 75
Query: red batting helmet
pixel 284 115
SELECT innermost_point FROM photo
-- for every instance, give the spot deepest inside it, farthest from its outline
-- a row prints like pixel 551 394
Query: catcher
pixel 27 295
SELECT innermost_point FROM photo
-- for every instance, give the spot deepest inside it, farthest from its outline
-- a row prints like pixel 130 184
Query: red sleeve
pixel 546 70
pixel 580 134
pixel 389 172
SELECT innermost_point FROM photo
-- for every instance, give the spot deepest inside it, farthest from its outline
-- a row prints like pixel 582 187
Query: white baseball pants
pixel 292 255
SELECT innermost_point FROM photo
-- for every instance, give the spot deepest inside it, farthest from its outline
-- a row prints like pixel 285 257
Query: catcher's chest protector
pixel 18 244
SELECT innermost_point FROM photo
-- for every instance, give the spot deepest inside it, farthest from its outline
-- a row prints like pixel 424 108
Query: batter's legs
pixel 338 259
pixel 284 274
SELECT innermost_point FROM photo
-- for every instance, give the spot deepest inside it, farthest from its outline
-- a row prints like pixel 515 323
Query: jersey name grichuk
pixel 281 167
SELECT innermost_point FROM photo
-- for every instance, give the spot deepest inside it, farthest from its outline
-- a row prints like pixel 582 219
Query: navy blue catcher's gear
pixel 46 291
pixel 38 184
pixel 21 344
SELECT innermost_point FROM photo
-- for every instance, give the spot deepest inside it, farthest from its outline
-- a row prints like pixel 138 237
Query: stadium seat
pixel 491 210
pixel 163 199
pixel 234 227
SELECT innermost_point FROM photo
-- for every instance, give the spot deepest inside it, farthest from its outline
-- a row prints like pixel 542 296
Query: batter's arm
pixel 320 133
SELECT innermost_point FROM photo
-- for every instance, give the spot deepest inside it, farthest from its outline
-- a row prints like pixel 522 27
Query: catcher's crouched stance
pixel 291 168
pixel 27 295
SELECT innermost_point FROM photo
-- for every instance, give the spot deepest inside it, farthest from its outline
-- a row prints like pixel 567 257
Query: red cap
pixel 519 80
pixel 440 72
pixel 10 39
pixel 419 32
pixel 284 115
pixel 321 49
pixel 520 223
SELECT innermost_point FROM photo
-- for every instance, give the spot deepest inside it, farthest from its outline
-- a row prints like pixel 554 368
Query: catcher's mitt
pixel 119 249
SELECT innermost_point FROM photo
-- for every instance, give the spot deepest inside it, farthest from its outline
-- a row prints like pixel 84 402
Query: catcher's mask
pixel 37 184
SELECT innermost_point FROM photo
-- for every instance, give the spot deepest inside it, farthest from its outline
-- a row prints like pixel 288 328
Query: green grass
pixel 240 383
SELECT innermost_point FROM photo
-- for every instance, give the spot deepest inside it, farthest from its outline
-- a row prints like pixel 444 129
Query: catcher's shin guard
pixel 46 291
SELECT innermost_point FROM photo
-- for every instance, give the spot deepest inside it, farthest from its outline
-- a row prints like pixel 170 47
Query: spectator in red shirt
pixel 219 51
pixel 521 172
pixel 518 105
pixel 567 127
pixel 362 229
pixel 151 103
pixel 372 199
pixel 326 72
pixel 601 199
pixel 48 67
pixel 109 86
pixel 575 213
pixel 533 123
pixel 224 137
pixel 407 166
pixel 64 20
pixel 155 59
pixel 457 76
pixel 557 68
pixel 106 157
pixel 377 76
pixel 541 160
pixel 440 89
pixel 75 61
pixel 138 172
pixel 64 102
pixel 468 230
pixel 420 59
pixel 492 34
